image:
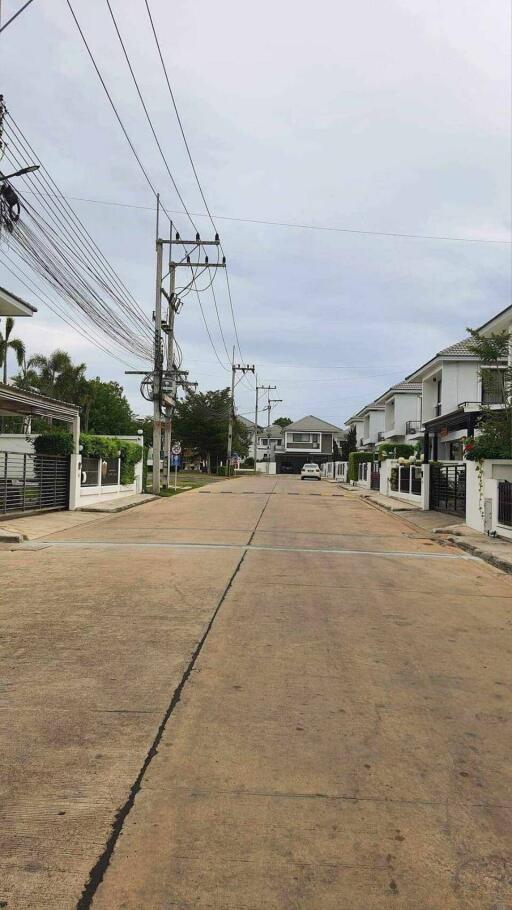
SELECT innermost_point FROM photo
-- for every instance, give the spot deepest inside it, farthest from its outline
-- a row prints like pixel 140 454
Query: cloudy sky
pixel 376 116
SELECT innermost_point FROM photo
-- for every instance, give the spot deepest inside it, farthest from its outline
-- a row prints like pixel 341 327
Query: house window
pixel 263 443
pixel 301 437
pixel 456 450
pixel 493 386
pixel 439 393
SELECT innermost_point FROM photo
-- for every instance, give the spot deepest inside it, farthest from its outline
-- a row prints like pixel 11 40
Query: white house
pixel 454 388
pixel 270 442
pixel 369 424
pixel 402 413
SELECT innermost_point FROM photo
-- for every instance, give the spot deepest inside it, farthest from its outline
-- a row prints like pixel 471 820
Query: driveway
pixel 264 695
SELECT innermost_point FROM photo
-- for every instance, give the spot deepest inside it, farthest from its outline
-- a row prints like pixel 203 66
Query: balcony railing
pixel 413 426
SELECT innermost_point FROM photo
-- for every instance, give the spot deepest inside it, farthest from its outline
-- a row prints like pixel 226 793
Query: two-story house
pixel 307 440
pixel 270 443
pixel 454 389
pixel 369 424
pixel 402 413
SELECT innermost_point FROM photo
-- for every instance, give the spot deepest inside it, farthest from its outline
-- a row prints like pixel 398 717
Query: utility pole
pixel 259 388
pixel 240 368
pixel 157 361
pixel 270 403
pixel 161 385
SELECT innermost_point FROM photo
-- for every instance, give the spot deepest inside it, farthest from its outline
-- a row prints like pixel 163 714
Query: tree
pixel 6 344
pixel 348 444
pixel 107 410
pixel 494 439
pixel 57 377
pixel 200 422
pixel 283 422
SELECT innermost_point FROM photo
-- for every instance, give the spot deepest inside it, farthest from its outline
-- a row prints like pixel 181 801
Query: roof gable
pixel 313 425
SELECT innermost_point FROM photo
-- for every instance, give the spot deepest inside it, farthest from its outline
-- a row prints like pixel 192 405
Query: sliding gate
pixel 448 488
pixel 33 482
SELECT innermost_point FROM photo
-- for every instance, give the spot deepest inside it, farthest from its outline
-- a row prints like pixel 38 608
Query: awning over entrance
pixel 16 402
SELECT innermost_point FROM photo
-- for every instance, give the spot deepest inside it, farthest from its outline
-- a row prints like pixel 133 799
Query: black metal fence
pixel 33 482
pixel 448 488
pixel 375 476
pixel 505 503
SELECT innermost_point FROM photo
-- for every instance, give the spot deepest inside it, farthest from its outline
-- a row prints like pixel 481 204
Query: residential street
pixel 265 694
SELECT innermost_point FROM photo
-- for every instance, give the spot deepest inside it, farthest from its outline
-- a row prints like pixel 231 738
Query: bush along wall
pixel 400 450
pixel 58 442
pixel 354 460
pixel 107 448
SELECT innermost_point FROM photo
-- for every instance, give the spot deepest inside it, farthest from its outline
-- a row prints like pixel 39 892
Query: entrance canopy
pixel 16 402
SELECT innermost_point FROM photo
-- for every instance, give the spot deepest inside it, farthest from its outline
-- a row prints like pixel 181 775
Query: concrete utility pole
pixel 270 403
pixel 240 368
pixel 164 383
pixel 259 388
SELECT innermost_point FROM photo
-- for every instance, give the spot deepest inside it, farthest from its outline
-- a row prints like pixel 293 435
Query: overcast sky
pixel 380 116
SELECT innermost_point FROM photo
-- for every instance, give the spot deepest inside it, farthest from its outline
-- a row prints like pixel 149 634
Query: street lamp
pixel 24 170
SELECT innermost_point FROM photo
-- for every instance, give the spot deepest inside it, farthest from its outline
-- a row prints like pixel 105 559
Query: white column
pixel 75 466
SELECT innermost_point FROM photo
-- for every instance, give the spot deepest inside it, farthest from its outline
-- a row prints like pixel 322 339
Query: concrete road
pixel 262 695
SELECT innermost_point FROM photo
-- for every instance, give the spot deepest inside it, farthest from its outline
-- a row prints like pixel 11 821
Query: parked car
pixel 310 472
pixel 286 467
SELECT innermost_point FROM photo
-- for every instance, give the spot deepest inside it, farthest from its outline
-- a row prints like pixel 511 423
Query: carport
pixel 296 461
pixel 30 482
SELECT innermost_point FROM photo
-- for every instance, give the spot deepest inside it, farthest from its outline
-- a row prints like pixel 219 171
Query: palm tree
pixel 57 376
pixel 14 344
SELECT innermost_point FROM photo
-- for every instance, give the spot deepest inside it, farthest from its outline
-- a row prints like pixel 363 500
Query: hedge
pixel 61 443
pixel 354 460
pixel 58 442
pixel 399 450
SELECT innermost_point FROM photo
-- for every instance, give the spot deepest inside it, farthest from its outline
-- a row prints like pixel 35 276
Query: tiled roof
pixel 275 431
pixel 406 386
pixel 373 406
pixel 313 424
pixel 459 349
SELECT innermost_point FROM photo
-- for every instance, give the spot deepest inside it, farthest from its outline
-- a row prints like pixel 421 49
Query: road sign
pixel 176 448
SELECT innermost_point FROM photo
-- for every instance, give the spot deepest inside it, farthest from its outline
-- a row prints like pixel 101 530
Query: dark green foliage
pixel 131 454
pixel 201 424
pixel 99 446
pixel 494 439
pixel 58 442
pixel 283 422
pixel 249 462
pixel 348 444
pixel 394 450
pixel 355 459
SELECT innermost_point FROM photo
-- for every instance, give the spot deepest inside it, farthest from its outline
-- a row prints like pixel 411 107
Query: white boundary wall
pixel 484 486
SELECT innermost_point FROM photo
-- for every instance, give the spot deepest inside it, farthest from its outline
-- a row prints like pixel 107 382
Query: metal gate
pixel 448 488
pixel 33 482
pixel 375 476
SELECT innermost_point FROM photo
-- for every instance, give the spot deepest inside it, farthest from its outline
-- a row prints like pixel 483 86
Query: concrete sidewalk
pixel 261 695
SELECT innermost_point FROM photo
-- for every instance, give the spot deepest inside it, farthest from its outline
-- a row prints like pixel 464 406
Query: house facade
pixel 270 442
pixel 307 440
pixel 369 424
pixel 454 391
pixel 402 413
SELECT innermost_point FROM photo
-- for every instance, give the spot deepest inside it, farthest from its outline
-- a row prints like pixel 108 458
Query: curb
pixel 11 536
pixel 121 508
pixel 495 561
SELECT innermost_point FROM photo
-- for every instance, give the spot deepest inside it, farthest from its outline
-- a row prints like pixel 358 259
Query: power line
pixel 150 122
pixel 15 16
pixel 178 115
pixel 298 225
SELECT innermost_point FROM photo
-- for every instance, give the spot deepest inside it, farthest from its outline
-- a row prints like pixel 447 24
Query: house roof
pixel 12 305
pixel 313 425
pixel 275 431
pixel 404 386
pixel 461 349
pixel 373 406
pixel 500 321
pixel 21 401
pixel 246 422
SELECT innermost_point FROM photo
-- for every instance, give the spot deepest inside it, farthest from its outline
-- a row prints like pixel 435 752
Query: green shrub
pixel 131 454
pixel 54 442
pixel 249 462
pixel 399 450
pixel 99 446
pixel 355 459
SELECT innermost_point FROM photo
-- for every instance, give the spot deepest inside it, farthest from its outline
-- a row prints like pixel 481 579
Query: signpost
pixel 176 452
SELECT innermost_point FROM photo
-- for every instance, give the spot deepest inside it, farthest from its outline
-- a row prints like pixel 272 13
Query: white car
pixel 310 472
